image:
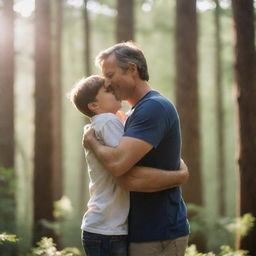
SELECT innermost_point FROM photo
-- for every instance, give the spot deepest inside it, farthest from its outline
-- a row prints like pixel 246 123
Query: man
pixel 157 220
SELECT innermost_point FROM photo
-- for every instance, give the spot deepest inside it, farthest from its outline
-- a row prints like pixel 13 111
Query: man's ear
pixel 93 106
pixel 133 68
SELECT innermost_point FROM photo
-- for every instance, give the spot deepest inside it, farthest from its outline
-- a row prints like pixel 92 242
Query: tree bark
pixel 43 158
pixel 219 112
pixel 7 85
pixel 125 20
pixel 84 195
pixel 187 101
pixel 57 101
pixel 87 33
pixel 7 149
pixel 245 74
pixel 187 95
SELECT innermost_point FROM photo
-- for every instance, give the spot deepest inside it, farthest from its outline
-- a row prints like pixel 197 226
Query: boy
pixel 104 224
pixel 108 207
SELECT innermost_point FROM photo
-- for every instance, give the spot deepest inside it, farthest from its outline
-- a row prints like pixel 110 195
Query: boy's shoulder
pixel 104 117
pixel 101 120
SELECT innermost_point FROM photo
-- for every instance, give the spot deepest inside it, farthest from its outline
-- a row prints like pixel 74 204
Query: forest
pixel 201 56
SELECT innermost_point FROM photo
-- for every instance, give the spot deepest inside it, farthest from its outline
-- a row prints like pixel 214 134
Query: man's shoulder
pixel 162 100
pixel 155 96
pixel 157 103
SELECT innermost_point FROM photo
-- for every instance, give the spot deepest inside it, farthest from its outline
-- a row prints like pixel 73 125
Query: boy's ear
pixel 93 106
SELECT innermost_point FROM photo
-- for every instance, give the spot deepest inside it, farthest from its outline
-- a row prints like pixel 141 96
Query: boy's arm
pixel 146 179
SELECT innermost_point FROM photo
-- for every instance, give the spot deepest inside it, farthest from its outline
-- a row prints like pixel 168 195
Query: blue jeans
pixel 104 245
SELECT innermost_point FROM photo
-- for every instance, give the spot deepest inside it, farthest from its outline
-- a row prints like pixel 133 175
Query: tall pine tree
pixel 187 100
pixel 7 85
pixel 43 158
pixel 56 74
pixel 219 110
pixel 7 149
pixel 187 95
pixel 125 20
pixel 245 73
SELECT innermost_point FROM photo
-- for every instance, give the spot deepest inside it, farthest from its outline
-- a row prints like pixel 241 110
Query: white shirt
pixel 108 206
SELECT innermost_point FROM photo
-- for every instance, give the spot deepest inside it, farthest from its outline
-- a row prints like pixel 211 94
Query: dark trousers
pixel 104 245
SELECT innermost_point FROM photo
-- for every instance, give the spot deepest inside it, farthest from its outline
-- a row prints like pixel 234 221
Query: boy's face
pixel 107 102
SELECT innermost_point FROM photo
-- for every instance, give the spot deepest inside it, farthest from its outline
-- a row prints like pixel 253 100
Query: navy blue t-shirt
pixel 158 215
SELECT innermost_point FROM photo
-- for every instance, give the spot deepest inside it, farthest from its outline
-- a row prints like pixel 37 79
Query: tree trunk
pixel 57 101
pixel 7 198
pixel 187 100
pixel 219 115
pixel 43 158
pixel 84 195
pixel 246 108
pixel 125 20
pixel 87 33
pixel 187 95
pixel 7 85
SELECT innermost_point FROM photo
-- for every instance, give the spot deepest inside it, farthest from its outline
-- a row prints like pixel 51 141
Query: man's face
pixel 116 79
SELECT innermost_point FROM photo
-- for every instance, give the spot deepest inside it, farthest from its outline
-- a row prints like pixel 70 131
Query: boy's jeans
pixel 104 245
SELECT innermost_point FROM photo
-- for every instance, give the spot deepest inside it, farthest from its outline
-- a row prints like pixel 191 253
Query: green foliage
pixel 242 225
pixel 7 190
pixel 6 244
pixel 221 231
pixel 225 251
pixel 7 181
pixel 228 251
pixel 214 229
pixel 192 251
pixel 8 237
pixel 46 247
pixel 62 211
pixel 7 210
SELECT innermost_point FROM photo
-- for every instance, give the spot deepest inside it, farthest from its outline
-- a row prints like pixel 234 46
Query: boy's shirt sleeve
pixel 112 132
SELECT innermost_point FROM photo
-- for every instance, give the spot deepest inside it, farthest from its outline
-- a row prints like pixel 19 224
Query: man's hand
pixel 184 170
pixel 88 136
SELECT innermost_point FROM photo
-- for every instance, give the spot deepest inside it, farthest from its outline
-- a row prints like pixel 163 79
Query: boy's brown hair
pixel 85 92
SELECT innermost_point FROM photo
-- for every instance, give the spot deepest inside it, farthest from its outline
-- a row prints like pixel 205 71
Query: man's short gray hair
pixel 125 53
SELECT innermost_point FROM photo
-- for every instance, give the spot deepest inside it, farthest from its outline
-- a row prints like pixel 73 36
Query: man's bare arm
pixel 145 179
pixel 120 159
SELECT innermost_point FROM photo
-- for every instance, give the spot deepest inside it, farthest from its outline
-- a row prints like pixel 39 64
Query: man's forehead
pixel 109 64
pixel 110 60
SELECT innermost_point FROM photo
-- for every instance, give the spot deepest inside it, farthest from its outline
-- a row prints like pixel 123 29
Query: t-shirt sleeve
pixel 149 123
pixel 111 132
